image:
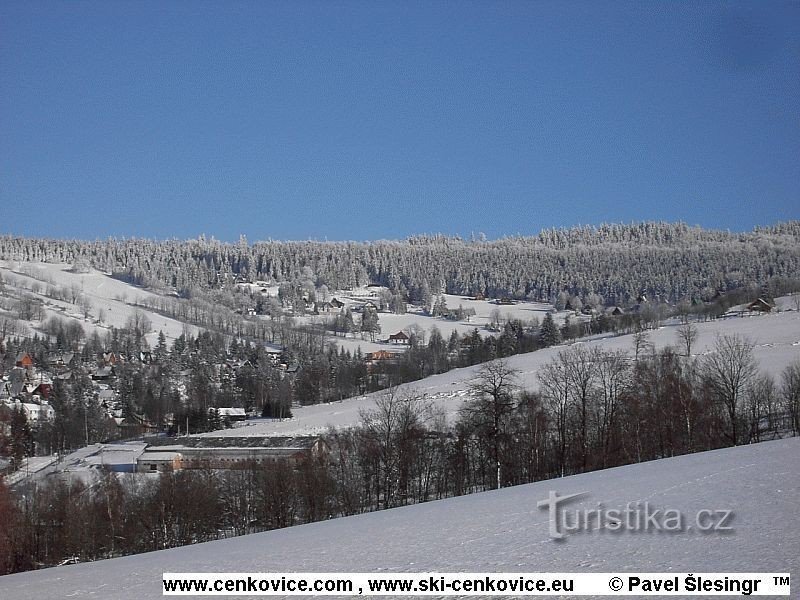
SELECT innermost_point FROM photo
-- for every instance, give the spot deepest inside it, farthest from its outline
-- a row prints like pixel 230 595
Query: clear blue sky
pixel 367 120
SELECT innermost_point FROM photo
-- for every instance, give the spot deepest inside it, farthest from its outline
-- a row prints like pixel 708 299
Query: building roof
pixel 285 442
pixel 165 456
pixel 229 412
pixel 759 303
pixel 381 355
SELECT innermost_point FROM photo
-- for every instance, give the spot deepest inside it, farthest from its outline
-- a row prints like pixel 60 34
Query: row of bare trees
pixel 60 519
pixel 592 409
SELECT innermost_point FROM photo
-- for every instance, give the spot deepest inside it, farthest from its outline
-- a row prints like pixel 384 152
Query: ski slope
pixel 776 337
pixel 499 531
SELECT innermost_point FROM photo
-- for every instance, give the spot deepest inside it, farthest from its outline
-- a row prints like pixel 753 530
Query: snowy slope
pixel 391 323
pixel 111 296
pixel 777 339
pixel 501 531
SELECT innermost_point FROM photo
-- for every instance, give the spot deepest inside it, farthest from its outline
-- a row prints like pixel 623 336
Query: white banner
pixel 476 584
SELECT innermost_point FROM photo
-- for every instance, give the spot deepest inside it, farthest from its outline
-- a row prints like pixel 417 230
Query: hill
pixel 500 531
pixel 776 337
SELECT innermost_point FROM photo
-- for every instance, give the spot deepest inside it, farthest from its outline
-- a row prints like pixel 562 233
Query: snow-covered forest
pixel 671 260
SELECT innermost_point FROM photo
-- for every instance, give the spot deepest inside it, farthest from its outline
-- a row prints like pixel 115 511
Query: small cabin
pixel 399 338
pixel 760 305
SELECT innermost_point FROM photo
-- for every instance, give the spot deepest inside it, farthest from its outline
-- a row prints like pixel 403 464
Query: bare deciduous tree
pixel 790 391
pixel 493 400
pixel 687 336
pixel 728 370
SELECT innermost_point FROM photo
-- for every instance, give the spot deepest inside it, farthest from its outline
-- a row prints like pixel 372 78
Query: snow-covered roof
pixel 229 412
pixel 289 442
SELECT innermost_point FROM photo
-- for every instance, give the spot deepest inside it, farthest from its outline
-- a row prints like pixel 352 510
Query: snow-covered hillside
pixel 776 336
pixel 111 300
pixel 417 319
pixel 500 531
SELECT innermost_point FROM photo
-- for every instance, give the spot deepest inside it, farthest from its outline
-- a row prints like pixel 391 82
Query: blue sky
pixel 367 120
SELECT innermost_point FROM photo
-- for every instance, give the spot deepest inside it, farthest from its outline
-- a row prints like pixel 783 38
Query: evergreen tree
pixel 549 334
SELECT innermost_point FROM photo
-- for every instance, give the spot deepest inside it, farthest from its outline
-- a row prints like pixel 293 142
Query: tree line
pixel 618 262
pixel 591 409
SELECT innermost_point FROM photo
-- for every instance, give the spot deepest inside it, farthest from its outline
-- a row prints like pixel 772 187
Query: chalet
pixel 228 414
pixel 273 353
pixel 760 305
pixel 110 358
pixel 103 373
pixel 42 388
pixel 106 397
pixel 135 425
pixel 60 360
pixel 506 300
pixel 292 368
pixel 399 338
pixel 337 304
pixel 24 360
pixel 229 452
pixel 615 311
pixel 380 356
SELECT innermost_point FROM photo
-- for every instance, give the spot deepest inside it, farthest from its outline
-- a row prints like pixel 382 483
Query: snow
pixel 391 323
pixel 114 297
pixel 776 337
pixel 84 463
pixel 30 466
pixel 499 531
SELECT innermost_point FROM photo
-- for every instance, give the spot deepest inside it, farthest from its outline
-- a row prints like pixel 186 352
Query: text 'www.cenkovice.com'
pixel 477 584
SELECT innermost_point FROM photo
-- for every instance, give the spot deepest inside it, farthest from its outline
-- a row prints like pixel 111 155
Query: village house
pixel 60 361
pixel 35 411
pixel 380 356
pixel 103 373
pixel 399 338
pixel 228 414
pixel 24 360
pixel 760 305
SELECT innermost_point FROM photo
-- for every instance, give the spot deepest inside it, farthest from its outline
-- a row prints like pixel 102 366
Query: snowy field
pixel 111 296
pixel 500 531
pixel 391 323
pixel 776 336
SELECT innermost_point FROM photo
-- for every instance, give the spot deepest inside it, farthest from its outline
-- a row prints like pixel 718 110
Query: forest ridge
pixel 673 261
